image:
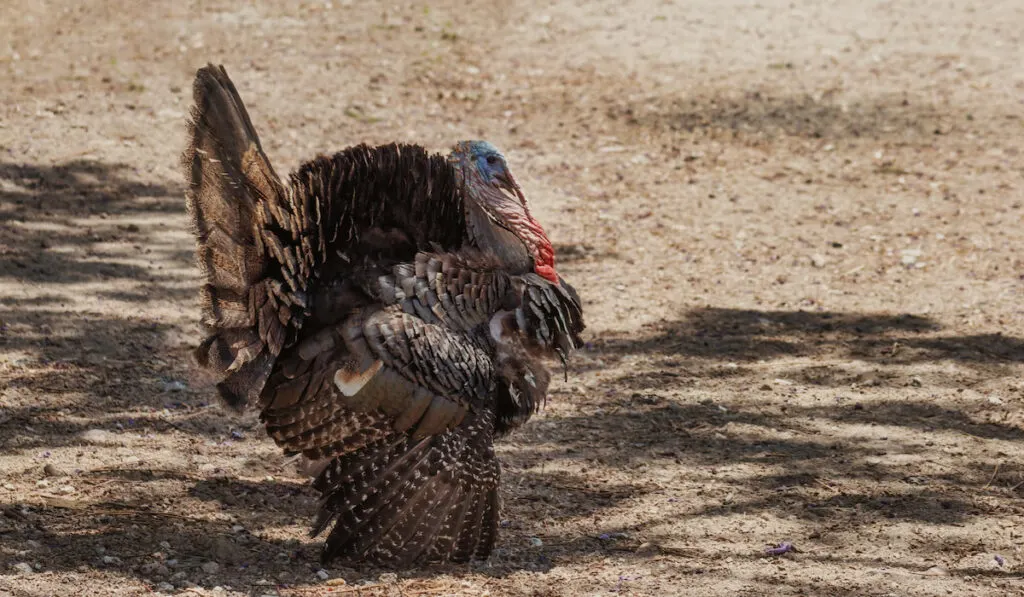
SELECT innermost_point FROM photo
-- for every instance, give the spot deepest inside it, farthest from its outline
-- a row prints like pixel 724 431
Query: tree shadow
pixel 837 461
pixel 770 113
pixel 163 544
pixel 711 334
pixel 79 242
pixel 79 221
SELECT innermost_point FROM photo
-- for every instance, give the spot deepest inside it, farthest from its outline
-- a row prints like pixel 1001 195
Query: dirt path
pixel 797 228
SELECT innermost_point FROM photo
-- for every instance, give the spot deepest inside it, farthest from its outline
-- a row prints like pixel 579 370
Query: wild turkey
pixel 385 310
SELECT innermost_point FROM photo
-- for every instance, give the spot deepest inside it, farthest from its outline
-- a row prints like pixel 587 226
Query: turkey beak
pixel 508 182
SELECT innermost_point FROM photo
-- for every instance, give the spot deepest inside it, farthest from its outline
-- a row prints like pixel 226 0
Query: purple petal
pixel 781 548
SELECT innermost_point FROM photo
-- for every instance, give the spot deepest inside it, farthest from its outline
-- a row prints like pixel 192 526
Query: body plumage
pixel 386 310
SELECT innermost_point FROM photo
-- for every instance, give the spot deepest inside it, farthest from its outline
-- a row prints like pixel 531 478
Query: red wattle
pixel 544 263
pixel 543 252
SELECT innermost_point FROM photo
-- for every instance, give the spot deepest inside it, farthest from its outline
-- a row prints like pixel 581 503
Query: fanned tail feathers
pixel 254 283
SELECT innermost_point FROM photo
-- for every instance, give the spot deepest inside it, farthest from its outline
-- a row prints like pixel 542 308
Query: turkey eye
pixel 492 159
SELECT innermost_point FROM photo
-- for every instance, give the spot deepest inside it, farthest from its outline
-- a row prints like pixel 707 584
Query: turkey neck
pixel 510 250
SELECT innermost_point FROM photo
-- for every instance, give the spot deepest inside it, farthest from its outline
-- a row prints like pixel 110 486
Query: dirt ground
pixel 796 227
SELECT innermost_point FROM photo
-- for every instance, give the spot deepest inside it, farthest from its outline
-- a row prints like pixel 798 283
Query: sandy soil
pixel 796 228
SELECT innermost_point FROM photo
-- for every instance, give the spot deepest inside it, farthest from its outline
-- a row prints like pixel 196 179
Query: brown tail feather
pixel 231 186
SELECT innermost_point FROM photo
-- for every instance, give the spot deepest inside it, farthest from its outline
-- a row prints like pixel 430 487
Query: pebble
pixel 111 560
pixel 322 574
pixel 23 568
pixel 818 260
pixel 936 571
pixel 210 567
pixel 51 471
pixel 165 587
pixel 96 436
pixel 225 551
pixel 174 386
pixel 909 257
pixel 536 542
pixel 154 569
pixel 647 549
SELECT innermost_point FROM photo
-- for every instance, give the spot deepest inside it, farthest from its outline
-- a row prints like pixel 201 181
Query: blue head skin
pixel 486 177
pixel 490 165
pixel 489 160
pixel 487 182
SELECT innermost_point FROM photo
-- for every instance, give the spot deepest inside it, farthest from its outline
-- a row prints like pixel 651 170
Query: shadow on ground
pixel 748 336
pixel 765 112
pixel 73 223
pixel 96 234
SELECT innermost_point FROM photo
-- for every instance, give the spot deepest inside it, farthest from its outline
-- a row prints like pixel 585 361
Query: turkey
pixel 387 311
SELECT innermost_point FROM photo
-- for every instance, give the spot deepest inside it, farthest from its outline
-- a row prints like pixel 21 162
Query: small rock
pixel 536 542
pixel 936 571
pixel 165 587
pixel 23 568
pixel 174 386
pixel 224 550
pixel 210 567
pixel 165 545
pixel 111 560
pixel 388 578
pixel 647 549
pixel 908 257
pixel 995 400
pixel 336 582
pixel 66 489
pixel 51 471
pixel 818 260
pixel 322 574
pixel 916 382
pixel 96 436
pixel 154 569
